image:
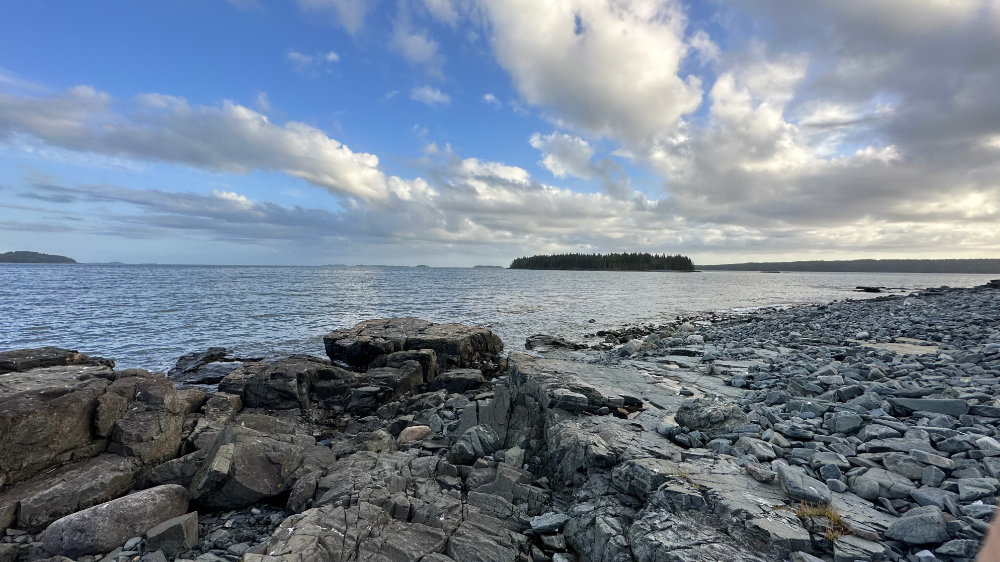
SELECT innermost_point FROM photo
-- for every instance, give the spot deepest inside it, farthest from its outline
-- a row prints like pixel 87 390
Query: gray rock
pixel 920 525
pixel 711 416
pixel 548 522
pixel 878 482
pixel 961 548
pixel 800 486
pixel 850 548
pixel 948 406
pixel 103 527
pixel 174 536
pixel 456 345
pixel 842 422
pixel 476 442
pixel 458 380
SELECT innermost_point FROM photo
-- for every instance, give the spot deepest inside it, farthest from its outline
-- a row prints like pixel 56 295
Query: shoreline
pixel 700 436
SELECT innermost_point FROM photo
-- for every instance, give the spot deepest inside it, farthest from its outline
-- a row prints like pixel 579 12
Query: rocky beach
pixel 850 431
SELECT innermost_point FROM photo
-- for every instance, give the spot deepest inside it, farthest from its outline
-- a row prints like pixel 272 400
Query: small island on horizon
pixel 606 262
pixel 33 257
pixel 987 266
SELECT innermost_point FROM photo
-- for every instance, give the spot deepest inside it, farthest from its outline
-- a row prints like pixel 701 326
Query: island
pixel 33 257
pixel 867 266
pixel 606 262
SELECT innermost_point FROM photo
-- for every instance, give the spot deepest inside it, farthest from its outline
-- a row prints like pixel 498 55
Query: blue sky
pixel 462 132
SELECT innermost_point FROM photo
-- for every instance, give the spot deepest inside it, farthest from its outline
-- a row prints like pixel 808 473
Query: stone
pixel 426 357
pixel 960 548
pixel 458 380
pixel 878 482
pixel 710 415
pixel 971 489
pixel 28 359
pixel 174 536
pixel 414 433
pixel 877 431
pixel 903 465
pixel 943 499
pixel 49 496
pixel 151 427
pixel 103 527
pixel 245 466
pixel 850 548
pixel 47 418
pixel 932 459
pixel 799 486
pixel 949 406
pixel 456 345
pixel 842 422
pixel 920 525
pixel 190 362
pixel 548 522
pixel 476 442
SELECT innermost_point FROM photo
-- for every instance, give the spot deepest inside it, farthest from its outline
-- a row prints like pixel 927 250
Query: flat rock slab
pixel 27 359
pixel 456 345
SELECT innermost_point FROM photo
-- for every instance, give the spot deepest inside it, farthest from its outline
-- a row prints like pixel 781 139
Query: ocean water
pixel 148 315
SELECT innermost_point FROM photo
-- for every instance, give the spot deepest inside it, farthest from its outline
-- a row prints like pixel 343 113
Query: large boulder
pixel 35 503
pixel 710 415
pixel 456 345
pixel 150 427
pixel 290 383
pixel 246 466
pixel 103 527
pixel 47 418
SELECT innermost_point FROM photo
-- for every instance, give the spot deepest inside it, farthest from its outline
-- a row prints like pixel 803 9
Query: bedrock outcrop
pixel 849 431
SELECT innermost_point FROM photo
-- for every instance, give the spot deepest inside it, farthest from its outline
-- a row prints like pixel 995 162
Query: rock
pixel 457 381
pixel 920 525
pixel 800 486
pixel 103 527
pixel 414 433
pixel 290 383
pixel 42 499
pixel 948 406
pixel 178 471
pixel 174 536
pixel 456 345
pixel 544 343
pixel 548 522
pixel 426 357
pixel 842 422
pixel 245 466
pixel 476 442
pixel 711 416
pixel 878 482
pixel 190 362
pixel 47 418
pixel 959 548
pixel 28 359
pixel 971 489
pixel 150 429
pixel 850 548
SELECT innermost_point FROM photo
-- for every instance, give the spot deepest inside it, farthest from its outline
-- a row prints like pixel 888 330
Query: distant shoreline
pixel 972 266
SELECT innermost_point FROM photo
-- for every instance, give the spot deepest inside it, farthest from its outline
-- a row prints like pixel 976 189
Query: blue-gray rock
pixel 949 406
pixel 476 442
pixel 920 525
pixel 842 422
pixel 880 483
pixel 961 548
pixel 850 548
pixel 799 486
pixel 548 522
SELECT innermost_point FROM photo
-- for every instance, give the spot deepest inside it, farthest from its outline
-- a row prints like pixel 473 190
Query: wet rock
pixel 456 345
pixel 103 527
pixel 458 380
pixel 28 359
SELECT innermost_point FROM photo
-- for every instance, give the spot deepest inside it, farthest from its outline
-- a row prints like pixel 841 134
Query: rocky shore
pixel 858 430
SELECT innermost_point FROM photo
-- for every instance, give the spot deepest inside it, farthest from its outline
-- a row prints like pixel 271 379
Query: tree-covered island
pixel 33 257
pixel 606 262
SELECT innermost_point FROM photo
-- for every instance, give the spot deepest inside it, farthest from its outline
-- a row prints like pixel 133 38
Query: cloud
pixel 430 96
pixel 632 52
pixel 489 98
pixel 416 46
pixel 349 14
pixel 567 155
pixel 443 11
pixel 228 138
pixel 303 62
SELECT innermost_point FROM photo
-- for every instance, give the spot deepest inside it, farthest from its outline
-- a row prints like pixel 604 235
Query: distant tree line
pixel 875 266
pixel 33 257
pixel 606 262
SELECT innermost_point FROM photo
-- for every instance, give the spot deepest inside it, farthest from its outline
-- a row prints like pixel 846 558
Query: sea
pixel 148 315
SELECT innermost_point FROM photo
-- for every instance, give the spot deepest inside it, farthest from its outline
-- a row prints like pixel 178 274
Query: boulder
pixel 47 417
pixel 103 527
pixel 920 525
pixel 426 357
pixel 799 486
pixel 245 466
pixel 455 345
pixel 189 363
pixel 290 383
pixel 150 428
pixel 710 415
pixel 174 536
pixel 458 380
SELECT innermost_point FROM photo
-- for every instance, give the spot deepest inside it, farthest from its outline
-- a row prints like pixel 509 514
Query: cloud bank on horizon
pixel 459 132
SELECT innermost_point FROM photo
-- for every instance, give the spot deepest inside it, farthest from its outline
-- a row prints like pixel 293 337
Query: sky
pixel 466 132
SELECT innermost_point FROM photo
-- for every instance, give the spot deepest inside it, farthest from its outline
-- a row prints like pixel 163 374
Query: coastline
pixel 701 436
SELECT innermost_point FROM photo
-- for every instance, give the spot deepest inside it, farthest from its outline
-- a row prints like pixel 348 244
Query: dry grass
pixel 836 528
